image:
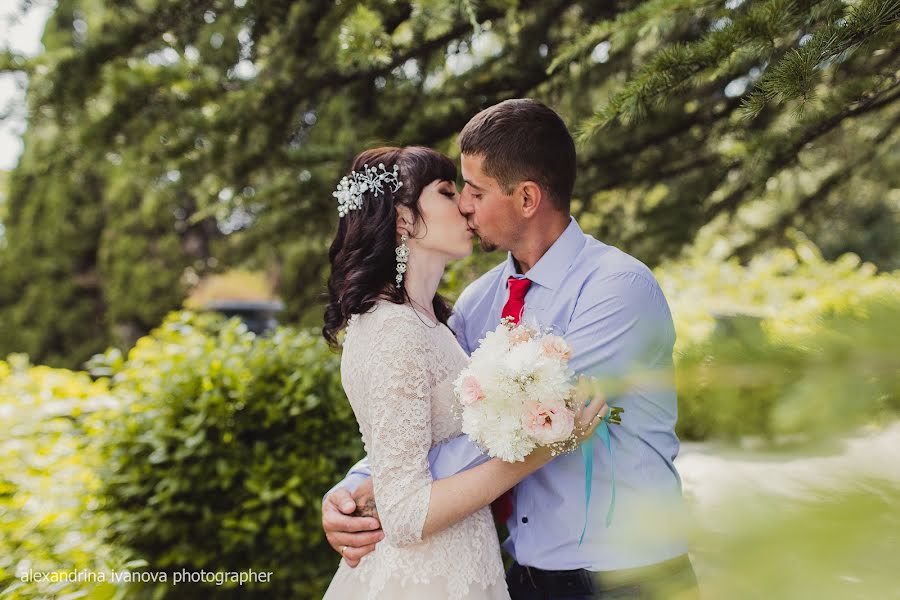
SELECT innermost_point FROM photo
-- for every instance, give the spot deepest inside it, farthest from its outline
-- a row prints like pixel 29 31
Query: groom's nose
pixel 464 203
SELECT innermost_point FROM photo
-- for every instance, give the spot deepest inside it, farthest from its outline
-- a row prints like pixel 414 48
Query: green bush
pixel 794 291
pixel 49 523
pixel 787 344
pixel 219 459
pixel 742 381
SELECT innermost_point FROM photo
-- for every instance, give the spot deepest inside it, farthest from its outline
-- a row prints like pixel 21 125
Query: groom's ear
pixel 531 195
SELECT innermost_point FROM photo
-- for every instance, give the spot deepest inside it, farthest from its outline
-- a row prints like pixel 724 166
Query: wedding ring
pixel 344 547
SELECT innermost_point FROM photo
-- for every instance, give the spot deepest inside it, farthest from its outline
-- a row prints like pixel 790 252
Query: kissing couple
pixel 413 520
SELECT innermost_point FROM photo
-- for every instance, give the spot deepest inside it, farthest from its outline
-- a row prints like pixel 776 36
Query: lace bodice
pixel 398 369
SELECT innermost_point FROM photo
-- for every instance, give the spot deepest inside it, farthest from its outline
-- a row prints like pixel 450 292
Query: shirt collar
pixel 550 269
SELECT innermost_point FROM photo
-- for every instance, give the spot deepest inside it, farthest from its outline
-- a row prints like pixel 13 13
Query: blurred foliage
pixel 223 449
pixel 743 382
pixel 788 344
pixel 4 183
pixel 167 140
pixel 791 289
pixel 50 483
pixel 208 448
pixel 830 545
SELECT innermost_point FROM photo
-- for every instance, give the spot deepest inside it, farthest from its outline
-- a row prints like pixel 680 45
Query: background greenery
pixel 168 139
pixel 747 151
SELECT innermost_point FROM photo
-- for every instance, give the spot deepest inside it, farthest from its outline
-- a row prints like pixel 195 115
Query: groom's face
pixel 489 211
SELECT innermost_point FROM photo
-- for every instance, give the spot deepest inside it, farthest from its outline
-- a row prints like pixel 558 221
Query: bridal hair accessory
pixel 402 258
pixel 350 190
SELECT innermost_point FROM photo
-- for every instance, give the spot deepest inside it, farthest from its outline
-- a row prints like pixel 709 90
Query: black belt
pixel 582 581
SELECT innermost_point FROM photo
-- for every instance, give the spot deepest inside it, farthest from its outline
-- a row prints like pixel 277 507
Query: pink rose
pixel 520 334
pixel 471 391
pixel 548 422
pixel 556 347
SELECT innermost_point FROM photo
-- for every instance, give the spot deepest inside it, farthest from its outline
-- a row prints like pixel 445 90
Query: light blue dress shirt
pixel 612 312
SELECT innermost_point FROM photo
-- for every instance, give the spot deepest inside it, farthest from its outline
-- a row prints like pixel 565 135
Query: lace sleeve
pixel 398 393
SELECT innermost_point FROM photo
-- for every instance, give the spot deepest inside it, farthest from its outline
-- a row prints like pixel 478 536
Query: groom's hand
pixel 364 496
pixel 356 536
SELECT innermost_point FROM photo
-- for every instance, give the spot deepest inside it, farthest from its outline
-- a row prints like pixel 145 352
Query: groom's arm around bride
pixel 610 309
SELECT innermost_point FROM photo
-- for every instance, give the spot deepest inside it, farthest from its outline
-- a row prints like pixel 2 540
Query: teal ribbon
pixel 587 451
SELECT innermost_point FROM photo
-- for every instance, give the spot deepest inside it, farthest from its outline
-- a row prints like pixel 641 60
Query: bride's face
pixel 442 229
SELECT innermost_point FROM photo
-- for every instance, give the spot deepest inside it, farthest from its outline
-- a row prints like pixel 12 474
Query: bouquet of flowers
pixel 518 393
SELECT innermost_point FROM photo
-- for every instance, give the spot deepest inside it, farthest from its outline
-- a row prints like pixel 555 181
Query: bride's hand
pixel 588 417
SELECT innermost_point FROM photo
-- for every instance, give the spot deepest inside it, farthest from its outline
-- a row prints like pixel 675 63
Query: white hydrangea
pixel 506 393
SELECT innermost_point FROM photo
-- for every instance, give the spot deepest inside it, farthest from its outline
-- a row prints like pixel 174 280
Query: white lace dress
pixel 398 371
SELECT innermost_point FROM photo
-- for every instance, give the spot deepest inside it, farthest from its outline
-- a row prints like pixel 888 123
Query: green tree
pixel 211 133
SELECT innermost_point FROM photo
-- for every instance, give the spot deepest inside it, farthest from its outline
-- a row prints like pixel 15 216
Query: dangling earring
pixel 402 259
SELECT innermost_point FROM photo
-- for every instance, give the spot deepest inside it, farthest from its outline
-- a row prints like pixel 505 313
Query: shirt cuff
pixel 351 482
pixel 454 456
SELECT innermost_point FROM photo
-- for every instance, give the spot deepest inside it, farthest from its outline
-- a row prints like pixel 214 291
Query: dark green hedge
pixel 220 459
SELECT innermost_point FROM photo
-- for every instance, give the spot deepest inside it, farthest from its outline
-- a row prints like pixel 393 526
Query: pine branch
pixel 624 25
pixel 675 68
pixel 795 76
pixel 789 146
pixel 515 74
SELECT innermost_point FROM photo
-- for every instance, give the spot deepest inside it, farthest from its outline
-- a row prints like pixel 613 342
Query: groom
pixel 518 163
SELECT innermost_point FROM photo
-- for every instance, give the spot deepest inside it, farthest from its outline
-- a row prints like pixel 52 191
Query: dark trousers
pixel 669 580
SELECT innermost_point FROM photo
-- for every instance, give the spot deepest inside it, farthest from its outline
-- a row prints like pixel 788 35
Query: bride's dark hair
pixel 362 255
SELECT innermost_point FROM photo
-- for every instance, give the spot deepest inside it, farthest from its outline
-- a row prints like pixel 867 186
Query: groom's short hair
pixel 524 140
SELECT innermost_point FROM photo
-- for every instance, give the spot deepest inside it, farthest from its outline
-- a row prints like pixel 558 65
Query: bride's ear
pixel 404 221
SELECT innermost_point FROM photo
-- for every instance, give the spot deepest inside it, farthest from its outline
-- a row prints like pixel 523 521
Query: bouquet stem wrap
pixel 587 451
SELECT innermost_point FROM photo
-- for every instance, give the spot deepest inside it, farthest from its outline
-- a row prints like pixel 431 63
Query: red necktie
pixel 502 507
pixel 516 301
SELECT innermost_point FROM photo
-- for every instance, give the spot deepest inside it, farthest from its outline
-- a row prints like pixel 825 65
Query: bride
pixel 399 227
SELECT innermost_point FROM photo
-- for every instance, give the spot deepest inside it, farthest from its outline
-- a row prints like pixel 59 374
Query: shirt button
pixel 524 519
